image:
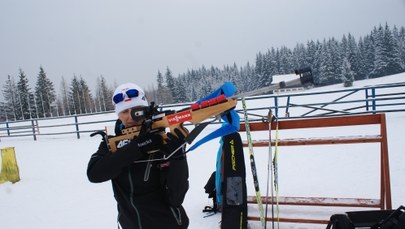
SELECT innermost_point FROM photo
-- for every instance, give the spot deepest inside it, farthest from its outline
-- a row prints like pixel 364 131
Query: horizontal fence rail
pixel 384 98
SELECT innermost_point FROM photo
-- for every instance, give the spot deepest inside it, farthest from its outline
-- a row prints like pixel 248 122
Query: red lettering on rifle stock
pixel 179 117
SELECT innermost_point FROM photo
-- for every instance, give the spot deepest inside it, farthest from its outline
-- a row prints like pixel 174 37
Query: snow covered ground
pixel 54 191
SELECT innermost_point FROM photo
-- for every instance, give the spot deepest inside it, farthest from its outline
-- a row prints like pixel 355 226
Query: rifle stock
pixel 194 115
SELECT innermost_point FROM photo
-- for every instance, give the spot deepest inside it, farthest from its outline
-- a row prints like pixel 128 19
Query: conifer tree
pixel 353 56
pixel 75 96
pixel 179 89
pixel 387 59
pixel 401 45
pixel 310 56
pixel 299 57
pixel 326 70
pixel 87 104
pixel 337 60
pixel 362 62
pixel 259 65
pixel 161 88
pixel 259 68
pixel 103 95
pixel 10 105
pixel 380 57
pixel 164 95
pixel 392 51
pixel 285 65
pixel 268 66
pixel 44 94
pixel 368 54
pixel 98 98
pixel 347 73
pixel 315 65
pixel 65 99
pixel 170 84
pixel 25 97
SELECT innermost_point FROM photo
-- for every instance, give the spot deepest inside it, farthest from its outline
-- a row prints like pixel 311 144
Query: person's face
pixel 126 119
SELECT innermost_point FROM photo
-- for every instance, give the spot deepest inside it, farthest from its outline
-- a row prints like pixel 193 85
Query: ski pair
pixel 272 164
pixel 272 170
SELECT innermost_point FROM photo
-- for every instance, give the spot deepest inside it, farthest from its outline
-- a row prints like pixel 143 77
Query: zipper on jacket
pixel 177 215
pixel 132 200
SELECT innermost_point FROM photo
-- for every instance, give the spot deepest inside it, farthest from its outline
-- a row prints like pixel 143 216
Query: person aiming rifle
pixel 149 194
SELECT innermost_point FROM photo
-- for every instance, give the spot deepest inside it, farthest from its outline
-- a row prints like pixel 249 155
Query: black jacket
pixel 148 195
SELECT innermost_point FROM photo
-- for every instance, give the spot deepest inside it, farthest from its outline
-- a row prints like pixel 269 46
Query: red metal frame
pixel 384 202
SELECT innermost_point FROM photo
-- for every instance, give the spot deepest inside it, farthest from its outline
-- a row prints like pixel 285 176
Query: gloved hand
pixel 103 145
pixel 149 142
pixel 173 142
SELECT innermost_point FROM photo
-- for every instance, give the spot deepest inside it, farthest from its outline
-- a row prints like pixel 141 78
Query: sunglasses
pixel 131 93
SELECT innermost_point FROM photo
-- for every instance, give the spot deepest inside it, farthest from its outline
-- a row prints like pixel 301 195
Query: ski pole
pixel 270 172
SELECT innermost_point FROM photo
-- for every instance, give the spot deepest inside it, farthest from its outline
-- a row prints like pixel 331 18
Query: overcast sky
pixel 130 40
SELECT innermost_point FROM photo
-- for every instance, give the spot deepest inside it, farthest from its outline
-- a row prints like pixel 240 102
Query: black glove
pixel 173 143
pixel 104 145
pixel 149 142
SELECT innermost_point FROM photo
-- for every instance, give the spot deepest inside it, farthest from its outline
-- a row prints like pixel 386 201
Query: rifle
pixel 198 112
pixel 159 121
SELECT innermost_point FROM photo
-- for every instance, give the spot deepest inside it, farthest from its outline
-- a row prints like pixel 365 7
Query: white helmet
pixel 128 95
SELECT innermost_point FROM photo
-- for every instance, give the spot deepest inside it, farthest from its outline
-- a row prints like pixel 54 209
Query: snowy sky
pixel 130 40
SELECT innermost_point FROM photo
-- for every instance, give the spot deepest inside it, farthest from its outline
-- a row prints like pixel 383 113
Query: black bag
pixel 366 219
pixel 375 219
pixel 340 221
pixel 212 193
pixel 234 204
pixel 396 220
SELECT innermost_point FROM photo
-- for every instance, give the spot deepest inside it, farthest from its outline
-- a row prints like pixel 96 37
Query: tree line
pixel 380 53
pixel 21 102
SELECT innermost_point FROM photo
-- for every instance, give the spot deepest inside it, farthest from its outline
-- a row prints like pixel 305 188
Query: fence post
pixel 77 127
pixel 33 129
pixel 287 112
pixel 367 105
pixel 374 101
pixel 36 123
pixel 276 105
pixel 8 128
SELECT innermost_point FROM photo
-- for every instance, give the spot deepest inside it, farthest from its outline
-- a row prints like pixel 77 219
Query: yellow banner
pixel 9 167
